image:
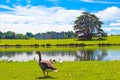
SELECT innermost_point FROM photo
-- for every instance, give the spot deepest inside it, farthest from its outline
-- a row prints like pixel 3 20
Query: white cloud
pixel 37 19
pixel 41 19
pixel 111 28
pixel 109 14
pixel 111 18
pixel 100 1
pixel 5 7
pixel 115 24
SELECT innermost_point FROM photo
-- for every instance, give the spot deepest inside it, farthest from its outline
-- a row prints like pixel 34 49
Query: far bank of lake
pixel 109 41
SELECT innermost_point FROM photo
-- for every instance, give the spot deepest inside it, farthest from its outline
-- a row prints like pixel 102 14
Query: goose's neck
pixel 39 56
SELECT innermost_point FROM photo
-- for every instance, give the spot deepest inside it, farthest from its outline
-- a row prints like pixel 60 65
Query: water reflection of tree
pixel 85 55
pixel 8 54
pixel 57 53
pixel 101 54
pixel 29 53
pixel 97 54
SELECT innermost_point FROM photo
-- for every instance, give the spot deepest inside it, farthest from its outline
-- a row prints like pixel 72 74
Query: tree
pixel 88 25
pixel 9 35
pixel 20 36
pixel 1 35
pixel 29 35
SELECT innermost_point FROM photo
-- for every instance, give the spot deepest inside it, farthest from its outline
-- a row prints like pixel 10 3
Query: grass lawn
pixel 109 40
pixel 78 70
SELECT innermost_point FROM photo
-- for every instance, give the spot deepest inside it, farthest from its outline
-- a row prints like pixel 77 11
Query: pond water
pixel 72 55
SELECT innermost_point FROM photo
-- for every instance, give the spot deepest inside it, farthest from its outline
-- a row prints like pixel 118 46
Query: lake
pixel 77 54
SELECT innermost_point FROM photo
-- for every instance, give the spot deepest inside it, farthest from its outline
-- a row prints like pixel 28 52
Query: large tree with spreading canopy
pixel 87 26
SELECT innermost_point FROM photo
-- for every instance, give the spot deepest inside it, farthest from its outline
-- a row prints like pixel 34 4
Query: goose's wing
pixel 46 65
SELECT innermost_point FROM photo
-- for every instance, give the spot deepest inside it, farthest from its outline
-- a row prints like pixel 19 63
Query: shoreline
pixel 109 41
pixel 60 45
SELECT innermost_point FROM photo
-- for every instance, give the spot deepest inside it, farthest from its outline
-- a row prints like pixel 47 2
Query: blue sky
pixel 36 16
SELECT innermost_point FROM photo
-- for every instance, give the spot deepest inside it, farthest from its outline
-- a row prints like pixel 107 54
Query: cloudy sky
pixel 36 16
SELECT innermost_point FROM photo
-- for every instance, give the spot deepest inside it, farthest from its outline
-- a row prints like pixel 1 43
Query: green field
pixel 108 40
pixel 78 70
pixel 51 49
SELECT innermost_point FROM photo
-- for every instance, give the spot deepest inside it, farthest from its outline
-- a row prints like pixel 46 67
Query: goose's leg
pixel 44 73
pixel 47 74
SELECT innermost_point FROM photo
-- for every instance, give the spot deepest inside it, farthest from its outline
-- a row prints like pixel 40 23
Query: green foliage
pixel 77 70
pixel 88 25
pixel 9 35
pixel 28 35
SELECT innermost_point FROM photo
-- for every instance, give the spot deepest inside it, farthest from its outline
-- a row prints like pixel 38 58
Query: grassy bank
pixel 110 40
pixel 54 48
pixel 85 70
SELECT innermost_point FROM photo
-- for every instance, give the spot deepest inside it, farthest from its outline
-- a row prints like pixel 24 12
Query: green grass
pixel 78 70
pixel 109 40
pixel 53 48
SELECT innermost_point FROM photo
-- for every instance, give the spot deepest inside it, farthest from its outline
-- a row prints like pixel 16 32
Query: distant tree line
pixel 28 35
pixel 54 35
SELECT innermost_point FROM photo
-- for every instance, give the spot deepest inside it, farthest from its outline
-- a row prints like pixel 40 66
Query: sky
pixel 38 16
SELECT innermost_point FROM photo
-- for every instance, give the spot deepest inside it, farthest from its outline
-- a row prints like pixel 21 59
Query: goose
pixel 45 65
